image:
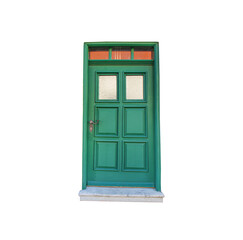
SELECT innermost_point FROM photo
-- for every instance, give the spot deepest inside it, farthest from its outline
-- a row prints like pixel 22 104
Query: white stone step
pixel 121 194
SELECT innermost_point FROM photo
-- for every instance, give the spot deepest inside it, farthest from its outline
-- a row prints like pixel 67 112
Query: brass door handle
pixel 91 125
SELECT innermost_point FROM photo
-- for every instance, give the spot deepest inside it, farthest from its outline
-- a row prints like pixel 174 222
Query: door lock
pixel 91 125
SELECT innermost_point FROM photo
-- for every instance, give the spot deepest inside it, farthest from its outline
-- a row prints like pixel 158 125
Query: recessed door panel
pixel 106 155
pixel 135 156
pixel 108 121
pixel 135 122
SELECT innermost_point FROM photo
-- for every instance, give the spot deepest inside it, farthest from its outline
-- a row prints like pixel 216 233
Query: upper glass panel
pixel 98 53
pixel 143 53
pixel 120 53
pixel 134 87
pixel 108 87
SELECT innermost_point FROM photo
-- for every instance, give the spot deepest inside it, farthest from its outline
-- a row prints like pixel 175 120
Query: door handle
pixel 91 125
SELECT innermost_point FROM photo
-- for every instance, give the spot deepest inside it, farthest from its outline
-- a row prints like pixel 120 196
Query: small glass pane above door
pixel 99 54
pixel 134 87
pixel 119 53
pixel 143 53
pixel 107 87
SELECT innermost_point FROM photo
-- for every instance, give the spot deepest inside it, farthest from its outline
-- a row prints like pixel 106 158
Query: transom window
pixel 121 53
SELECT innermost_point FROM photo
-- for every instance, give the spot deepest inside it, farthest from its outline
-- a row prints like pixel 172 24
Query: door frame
pixel 156 79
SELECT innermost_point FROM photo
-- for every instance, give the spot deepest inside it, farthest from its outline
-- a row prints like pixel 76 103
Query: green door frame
pixel 86 63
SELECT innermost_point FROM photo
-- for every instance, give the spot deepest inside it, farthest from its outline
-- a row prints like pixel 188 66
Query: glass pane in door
pixel 107 87
pixel 134 87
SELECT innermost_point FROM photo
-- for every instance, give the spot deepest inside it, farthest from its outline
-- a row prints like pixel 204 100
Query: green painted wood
pixel 135 156
pixel 121 62
pixel 139 142
pixel 110 53
pixel 121 175
pixel 85 117
pixel 135 121
pixel 122 184
pixel 132 53
pixel 108 121
pixel 121 44
pixel 157 119
pixel 106 155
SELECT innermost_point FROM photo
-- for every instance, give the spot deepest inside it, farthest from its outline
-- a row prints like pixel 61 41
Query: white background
pixel 201 63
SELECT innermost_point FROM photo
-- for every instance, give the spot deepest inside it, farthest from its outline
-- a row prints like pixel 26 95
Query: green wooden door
pixel 121 144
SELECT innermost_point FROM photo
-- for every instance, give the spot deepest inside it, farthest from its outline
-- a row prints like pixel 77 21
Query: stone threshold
pixel 121 194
